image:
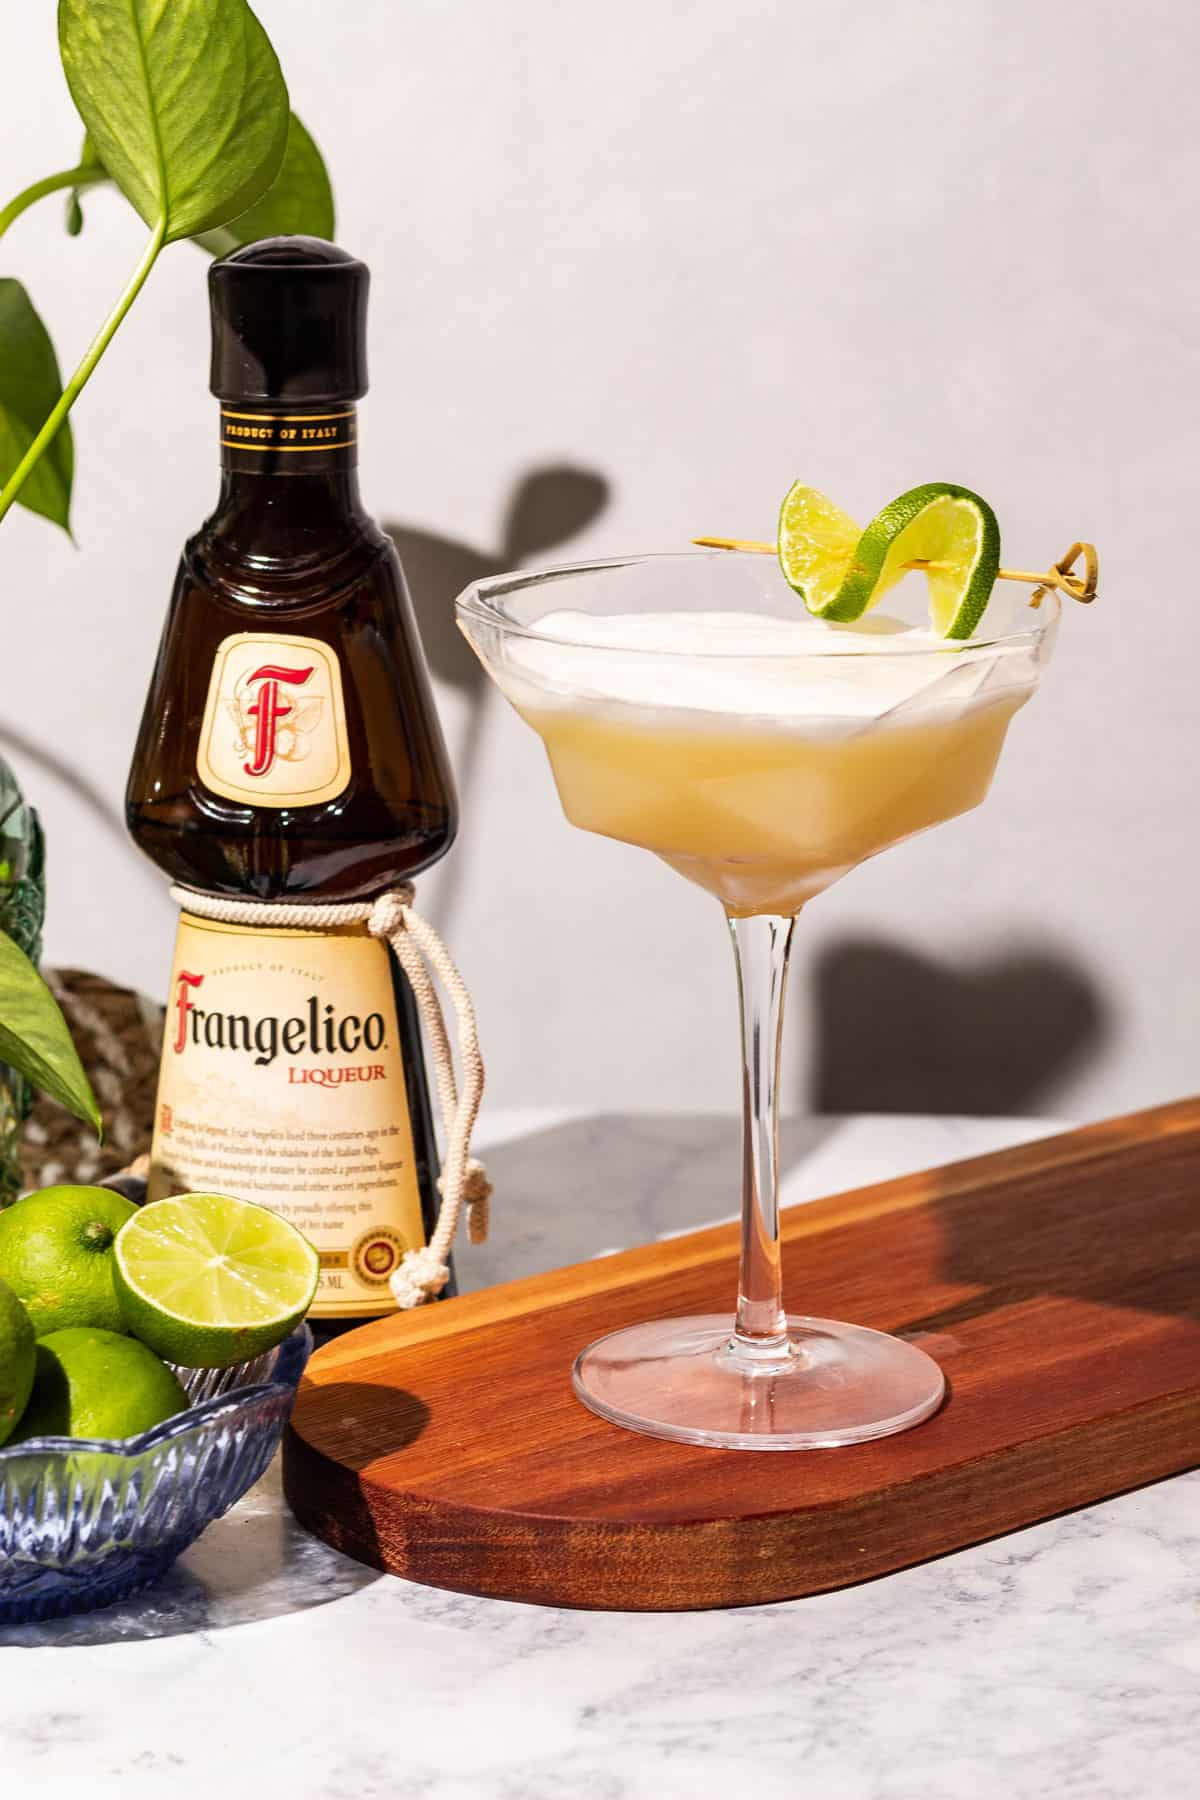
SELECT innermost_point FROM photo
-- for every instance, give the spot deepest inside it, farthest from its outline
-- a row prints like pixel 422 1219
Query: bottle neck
pixel 288 471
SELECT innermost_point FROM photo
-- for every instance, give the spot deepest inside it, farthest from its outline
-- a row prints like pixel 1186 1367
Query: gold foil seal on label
pixel 274 730
pixel 282 1081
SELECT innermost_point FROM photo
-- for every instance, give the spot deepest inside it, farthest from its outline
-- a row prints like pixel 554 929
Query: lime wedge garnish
pixel 817 541
pixel 209 1281
pixel 947 526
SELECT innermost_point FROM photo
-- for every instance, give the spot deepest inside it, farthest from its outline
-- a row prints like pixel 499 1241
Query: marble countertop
pixel 1061 1660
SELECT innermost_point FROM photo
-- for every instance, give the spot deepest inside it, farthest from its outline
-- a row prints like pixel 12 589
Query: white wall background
pixel 701 250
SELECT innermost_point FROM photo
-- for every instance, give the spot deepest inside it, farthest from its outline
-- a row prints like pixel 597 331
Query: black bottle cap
pixel 289 322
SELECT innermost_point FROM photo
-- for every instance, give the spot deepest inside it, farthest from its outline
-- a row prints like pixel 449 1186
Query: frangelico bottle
pixel 290 752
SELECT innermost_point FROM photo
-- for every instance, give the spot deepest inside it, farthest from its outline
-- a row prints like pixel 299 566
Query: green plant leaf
pixel 34 1038
pixel 29 389
pixel 299 199
pixel 185 103
pixel 89 158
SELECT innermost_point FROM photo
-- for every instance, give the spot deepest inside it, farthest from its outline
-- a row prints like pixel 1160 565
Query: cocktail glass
pixel 690 705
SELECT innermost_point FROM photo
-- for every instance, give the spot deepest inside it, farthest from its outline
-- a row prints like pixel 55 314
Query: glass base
pixel 686 1379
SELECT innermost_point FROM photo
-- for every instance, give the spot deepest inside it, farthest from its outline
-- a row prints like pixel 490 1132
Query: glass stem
pixel 761 947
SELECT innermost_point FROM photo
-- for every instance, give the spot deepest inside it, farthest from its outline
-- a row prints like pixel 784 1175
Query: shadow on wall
pixel 53 763
pixel 547 508
pixel 897 1032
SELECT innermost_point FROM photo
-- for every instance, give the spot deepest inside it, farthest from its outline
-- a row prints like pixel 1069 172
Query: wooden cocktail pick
pixel 1078 587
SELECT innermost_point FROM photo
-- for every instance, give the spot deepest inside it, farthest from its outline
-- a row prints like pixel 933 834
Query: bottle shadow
pixel 547 507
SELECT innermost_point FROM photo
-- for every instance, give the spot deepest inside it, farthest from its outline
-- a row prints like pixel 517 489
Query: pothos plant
pixel 185 111
pixel 34 1038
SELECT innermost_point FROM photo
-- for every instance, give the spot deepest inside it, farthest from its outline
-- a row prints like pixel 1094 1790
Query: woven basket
pixel 118 1034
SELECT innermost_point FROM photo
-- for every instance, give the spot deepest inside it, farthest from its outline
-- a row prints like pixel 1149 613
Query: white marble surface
pixel 1062 1660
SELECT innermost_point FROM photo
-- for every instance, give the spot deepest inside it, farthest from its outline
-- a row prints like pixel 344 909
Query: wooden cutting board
pixel 1058 1284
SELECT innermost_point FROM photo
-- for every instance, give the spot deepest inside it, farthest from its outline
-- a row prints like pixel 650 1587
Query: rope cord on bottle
pixel 423 1273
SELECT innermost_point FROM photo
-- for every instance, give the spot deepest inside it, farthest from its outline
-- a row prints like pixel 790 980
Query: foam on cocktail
pixel 803 673
pixel 761 757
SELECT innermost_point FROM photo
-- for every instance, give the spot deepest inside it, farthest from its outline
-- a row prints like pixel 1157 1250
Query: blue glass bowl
pixel 85 1521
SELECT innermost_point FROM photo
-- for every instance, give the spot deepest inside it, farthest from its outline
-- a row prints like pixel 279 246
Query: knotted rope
pixel 463 1181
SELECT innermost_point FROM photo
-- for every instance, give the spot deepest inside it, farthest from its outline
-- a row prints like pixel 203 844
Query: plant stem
pixel 83 175
pixel 82 375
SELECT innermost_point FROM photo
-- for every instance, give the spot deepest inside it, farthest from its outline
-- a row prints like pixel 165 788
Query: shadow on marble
pixel 255 1563
pixel 587 1187
pixel 898 1032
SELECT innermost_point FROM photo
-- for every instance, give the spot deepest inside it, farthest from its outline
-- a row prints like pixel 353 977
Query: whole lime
pixel 16 1360
pixel 56 1255
pixel 97 1384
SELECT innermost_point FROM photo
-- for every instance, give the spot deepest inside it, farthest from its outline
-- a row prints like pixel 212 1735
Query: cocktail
pixel 690 704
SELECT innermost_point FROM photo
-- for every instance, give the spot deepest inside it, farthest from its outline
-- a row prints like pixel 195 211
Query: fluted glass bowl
pixel 86 1521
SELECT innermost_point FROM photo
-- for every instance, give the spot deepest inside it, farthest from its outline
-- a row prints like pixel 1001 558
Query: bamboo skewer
pixel 1079 587
pixel 716 543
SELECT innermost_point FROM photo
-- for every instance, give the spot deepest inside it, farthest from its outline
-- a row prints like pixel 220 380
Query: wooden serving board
pixel 1058 1285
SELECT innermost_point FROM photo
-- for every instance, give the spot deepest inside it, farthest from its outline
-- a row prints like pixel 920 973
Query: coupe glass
pixel 762 770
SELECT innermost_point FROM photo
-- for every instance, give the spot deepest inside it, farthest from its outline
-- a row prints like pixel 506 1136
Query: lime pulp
pixel 208 1280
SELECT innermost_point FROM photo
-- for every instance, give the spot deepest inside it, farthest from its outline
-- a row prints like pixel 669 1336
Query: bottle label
pixel 274 730
pixel 282 1081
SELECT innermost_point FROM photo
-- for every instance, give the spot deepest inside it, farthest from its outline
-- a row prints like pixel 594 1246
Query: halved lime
pixel 209 1281
pixel 938 523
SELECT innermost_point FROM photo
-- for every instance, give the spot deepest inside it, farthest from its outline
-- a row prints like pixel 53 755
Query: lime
pixel 938 523
pixel 209 1281
pixel 98 1384
pixel 942 524
pixel 16 1360
pixel 817 541
pixel 56 1255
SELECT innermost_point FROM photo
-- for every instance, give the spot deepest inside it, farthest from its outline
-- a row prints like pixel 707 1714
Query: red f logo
pixel 269 707
pixel 183 1007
